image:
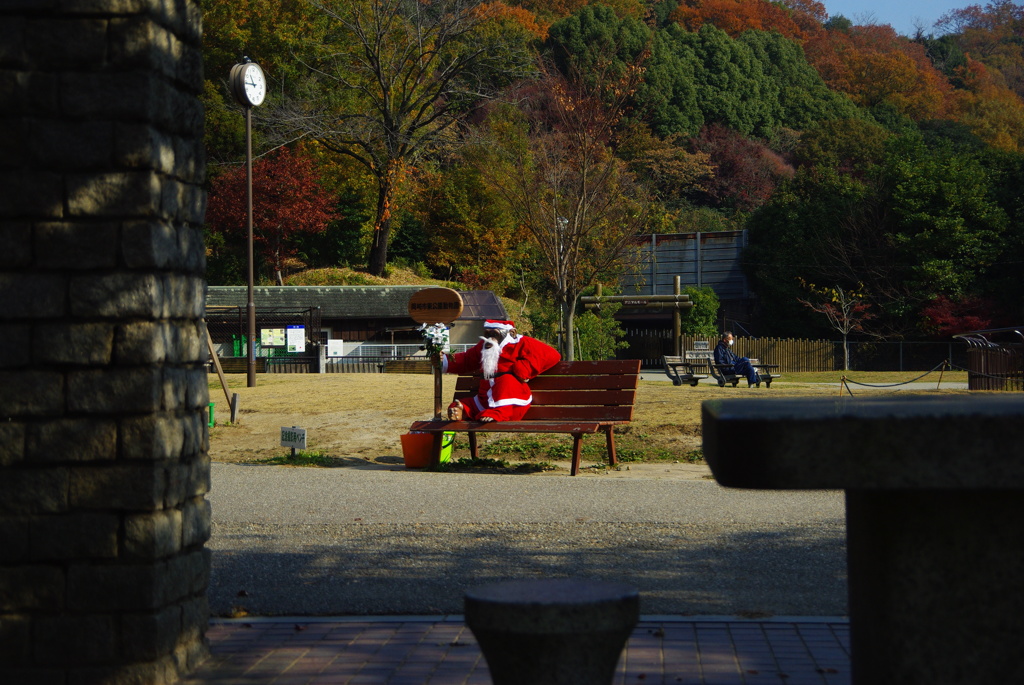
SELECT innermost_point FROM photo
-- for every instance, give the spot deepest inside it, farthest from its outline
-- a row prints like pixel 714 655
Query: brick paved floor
pixel 415 651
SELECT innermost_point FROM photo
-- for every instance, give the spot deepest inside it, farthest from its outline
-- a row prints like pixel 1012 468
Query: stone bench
pixel 554 631
pixel 935 523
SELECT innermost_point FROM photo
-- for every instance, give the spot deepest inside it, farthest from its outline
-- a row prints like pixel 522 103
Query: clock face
pixel 254 83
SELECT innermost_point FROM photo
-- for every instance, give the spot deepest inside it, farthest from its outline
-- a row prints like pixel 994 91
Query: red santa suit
pixel 506 397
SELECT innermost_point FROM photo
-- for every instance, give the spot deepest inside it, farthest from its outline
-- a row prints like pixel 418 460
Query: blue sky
pixel 900 14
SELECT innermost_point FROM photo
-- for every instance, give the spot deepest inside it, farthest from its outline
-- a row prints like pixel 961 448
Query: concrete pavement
pixel 344 542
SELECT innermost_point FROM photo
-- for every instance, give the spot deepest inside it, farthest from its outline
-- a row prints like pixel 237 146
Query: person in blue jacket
pixel 741 366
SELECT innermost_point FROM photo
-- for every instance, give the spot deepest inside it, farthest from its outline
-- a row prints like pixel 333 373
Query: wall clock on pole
pixel 249 86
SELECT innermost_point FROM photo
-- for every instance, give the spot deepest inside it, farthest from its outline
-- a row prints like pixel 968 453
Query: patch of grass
pixel 694 456
pixel 522 446
pixel 489 465
pixel 303 458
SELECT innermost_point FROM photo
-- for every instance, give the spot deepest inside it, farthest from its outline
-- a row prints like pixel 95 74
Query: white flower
pixel 435 337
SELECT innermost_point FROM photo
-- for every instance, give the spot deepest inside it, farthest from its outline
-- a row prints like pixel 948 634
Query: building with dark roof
pixel 353 313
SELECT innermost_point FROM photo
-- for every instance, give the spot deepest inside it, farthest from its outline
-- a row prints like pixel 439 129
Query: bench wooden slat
pixel 618 382
pixel 572 397
pixel 584 397
pixel 605 414
pixel 508 426
pixel 608 366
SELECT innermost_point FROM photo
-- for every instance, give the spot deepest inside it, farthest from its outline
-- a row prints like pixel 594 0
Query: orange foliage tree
pixel 874 65
pixel 736 16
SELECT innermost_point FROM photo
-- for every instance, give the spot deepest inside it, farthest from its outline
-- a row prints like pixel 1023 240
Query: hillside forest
pixel 522 146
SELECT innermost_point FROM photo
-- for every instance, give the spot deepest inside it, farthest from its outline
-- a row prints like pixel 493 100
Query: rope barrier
pixel 845 382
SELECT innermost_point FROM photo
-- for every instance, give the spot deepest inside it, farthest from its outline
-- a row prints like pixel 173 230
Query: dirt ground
pixel 357 419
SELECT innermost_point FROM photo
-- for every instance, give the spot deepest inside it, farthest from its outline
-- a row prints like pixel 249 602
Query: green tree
pixel 395 78
pixel 948 227
pixel 701 319
pixel 804 98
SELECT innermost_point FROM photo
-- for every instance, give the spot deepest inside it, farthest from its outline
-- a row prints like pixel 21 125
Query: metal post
pixel 677 320
pixel 250 306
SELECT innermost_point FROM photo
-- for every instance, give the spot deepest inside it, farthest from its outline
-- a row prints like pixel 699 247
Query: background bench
pixel 572 397
pixel 685 369
pixel 765 371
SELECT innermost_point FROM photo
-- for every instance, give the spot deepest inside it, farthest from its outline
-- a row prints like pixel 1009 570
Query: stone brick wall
pixel 103 437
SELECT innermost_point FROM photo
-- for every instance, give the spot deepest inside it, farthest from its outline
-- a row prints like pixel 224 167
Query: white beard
pixel 489 358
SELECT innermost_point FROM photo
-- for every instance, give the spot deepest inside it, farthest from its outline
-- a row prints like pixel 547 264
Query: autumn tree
pixel 845 309
pixel 745 171
pixel 288 199
pixel 396 76
pixel 549 158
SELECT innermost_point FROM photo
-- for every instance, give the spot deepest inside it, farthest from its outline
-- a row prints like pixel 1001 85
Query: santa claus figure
pixel 507 362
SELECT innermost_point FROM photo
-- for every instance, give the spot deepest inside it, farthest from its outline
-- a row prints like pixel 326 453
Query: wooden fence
pixel 790 354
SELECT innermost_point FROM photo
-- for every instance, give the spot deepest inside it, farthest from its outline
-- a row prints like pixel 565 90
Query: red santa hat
pixel 500 325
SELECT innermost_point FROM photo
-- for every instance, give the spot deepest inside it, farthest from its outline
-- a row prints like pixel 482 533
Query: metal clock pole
pixel 250 306
pixel 249 87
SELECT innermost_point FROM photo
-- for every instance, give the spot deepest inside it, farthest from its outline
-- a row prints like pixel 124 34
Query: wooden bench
pixel 724 375
pixel 685 369
pixel 407 366
pixel 577 398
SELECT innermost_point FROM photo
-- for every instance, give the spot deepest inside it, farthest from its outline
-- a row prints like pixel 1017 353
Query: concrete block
pixel 13 541
pixel 78 145
pixel 118 295
pixel 154 535
pixel 53 42
pixel 149 636
pixel 33 296
pixel 15 345
pixel 31 193
pixel 62 640
pixel 15 643
pixel 144 342
pixel 116 589
pixel 76 246
pixel 73 343
pixel 34 588
pixel 12 443
pixel 134 486
pixel 71 440
pixel 31 393
pixel 151 244
pixel 34 491
pixel 74 536
pixel 184 297
pixel 114 194
pixel 157 437
pixel 16 237
pixel 196 521
pixel 127 391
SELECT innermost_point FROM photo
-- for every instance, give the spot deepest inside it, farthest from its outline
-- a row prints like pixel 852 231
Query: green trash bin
pixel 211 415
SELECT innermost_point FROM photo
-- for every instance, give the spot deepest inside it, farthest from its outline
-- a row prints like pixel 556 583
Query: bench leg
pixel 472 446
pixel 613 458
pixel 577 453
pixel 435 450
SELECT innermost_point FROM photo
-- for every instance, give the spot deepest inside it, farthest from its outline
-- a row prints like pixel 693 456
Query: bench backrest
pixel 577 391
pixel 700 356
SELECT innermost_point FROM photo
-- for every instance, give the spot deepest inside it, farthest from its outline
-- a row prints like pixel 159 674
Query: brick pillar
pixel 103 438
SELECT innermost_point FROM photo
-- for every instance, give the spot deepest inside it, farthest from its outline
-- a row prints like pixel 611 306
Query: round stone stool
pixel 552 632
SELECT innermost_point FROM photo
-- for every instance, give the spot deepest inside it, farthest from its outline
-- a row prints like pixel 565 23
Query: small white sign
pixel 335 348
pixel 296 338
pixel 293 437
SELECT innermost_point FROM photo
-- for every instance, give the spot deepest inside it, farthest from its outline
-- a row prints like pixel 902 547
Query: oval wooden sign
pixel 435 305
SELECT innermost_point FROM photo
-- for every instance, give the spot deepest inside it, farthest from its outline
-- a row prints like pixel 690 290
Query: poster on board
pixel 296 338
